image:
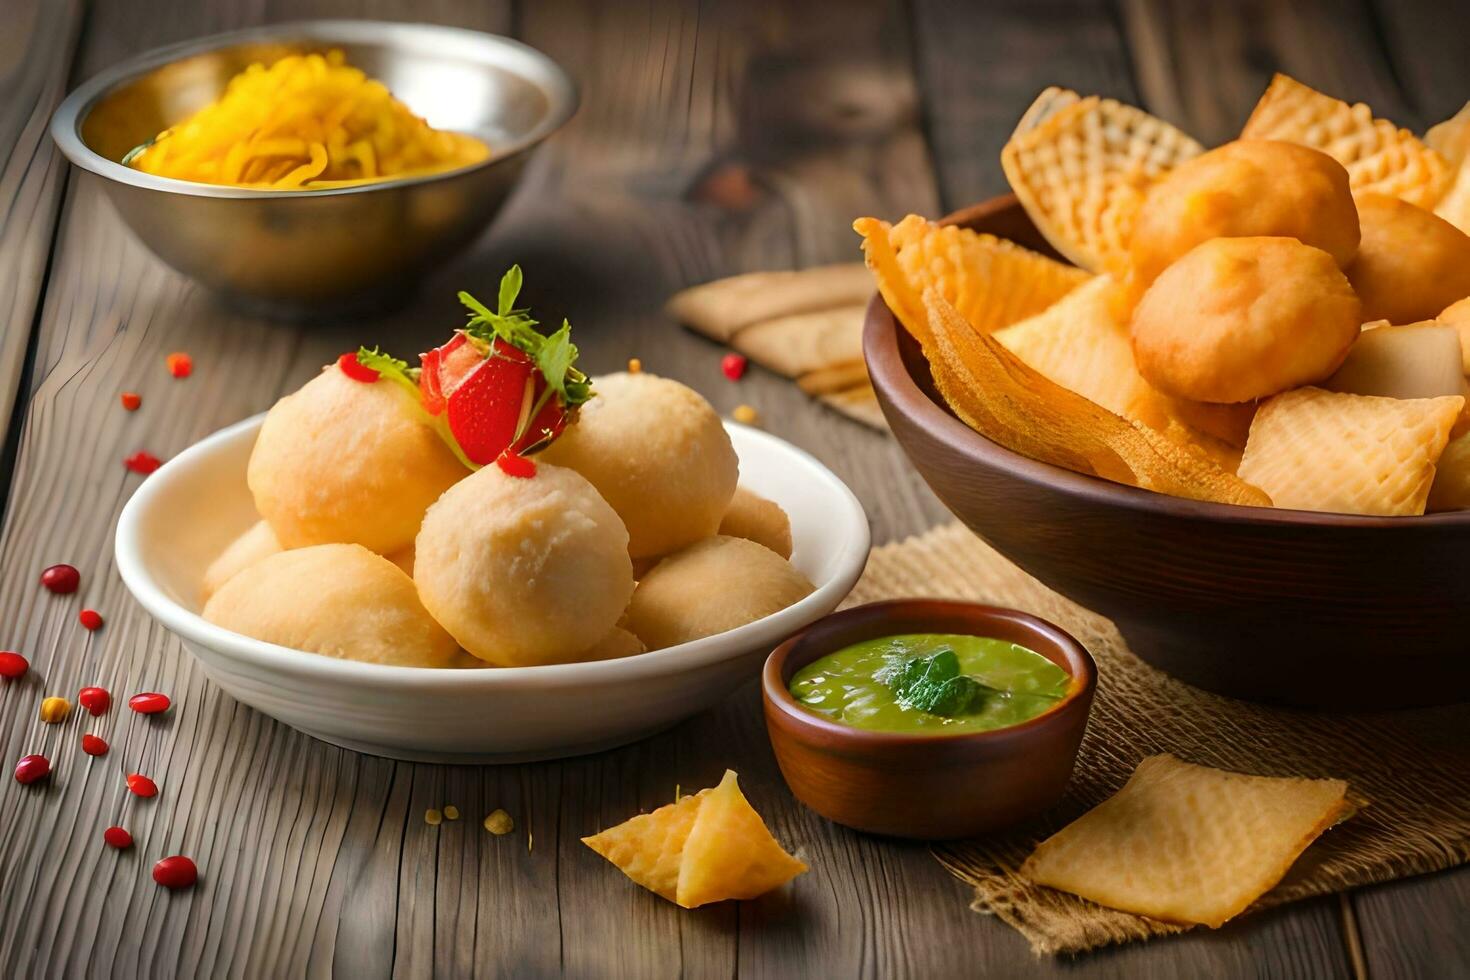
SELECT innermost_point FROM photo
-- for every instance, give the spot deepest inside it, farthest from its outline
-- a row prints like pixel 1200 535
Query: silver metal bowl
pixel 341 250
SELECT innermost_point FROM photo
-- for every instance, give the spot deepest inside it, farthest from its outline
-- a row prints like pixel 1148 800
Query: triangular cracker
pixel 649 847
pixel 802 342
pixel 1312 449
pixel 1379 156
pixel 1451 139
pixel 729 852
pixel 1188 844
pixel 1082 172
pixel 721 308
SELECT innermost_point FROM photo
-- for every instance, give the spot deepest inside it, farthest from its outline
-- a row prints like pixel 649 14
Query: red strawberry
pixel 484 408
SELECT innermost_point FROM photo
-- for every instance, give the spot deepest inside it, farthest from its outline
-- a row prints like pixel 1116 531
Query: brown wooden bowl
pixel 929 787
pixel 1296 607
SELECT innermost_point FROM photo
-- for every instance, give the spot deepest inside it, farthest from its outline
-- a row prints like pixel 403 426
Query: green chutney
pixel 908 683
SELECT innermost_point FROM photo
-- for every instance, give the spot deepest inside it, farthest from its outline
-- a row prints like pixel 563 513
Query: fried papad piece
pixel 723 307
pixel 1312 449
pixel 1379 156
pixel 1188 844
pixel 1451 139
pixel 1082 170
pixel 991 281
pixel 649 848
pixel 998 395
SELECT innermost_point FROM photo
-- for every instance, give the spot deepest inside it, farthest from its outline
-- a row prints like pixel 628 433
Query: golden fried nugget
pixel 1245 188
pixel 1411 263
pixel 256 543
pixel 1457 315
pixel 1082 171
pixel 1238 319
pixel 757 519
pixel 1312 449
pixel 991 281
pixel 1451 487
pixel 1380 157
pixel 998 395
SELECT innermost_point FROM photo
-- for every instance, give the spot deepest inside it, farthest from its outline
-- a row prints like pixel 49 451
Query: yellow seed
pixel 746 415
pixel 635 366
pixel 451 812
pixel 54 710
pixel 499 823
pixel 432 817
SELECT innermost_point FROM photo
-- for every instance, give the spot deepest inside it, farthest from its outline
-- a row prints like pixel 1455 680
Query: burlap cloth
pixel 1412 767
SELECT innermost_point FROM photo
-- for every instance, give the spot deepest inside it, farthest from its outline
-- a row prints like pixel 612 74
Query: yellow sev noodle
pixel 305 123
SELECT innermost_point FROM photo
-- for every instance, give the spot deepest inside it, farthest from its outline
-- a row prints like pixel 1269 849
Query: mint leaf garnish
pixel 390 367
pixel 555 356
pixel 934 684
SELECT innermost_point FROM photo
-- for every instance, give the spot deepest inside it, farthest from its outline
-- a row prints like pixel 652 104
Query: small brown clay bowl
pixel 1315 610
pixel 928 787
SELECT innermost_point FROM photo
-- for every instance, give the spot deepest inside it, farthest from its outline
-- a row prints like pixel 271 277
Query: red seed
pixel 142 462
pixel 61 579
pixel 94 745
pixel 176 871
pixel 31 769
pixel 140 785
pixel 149 703
pixel 13 665
pixel 512 464
pixel 131 400
pixel 118 837
pixel 355 369
pixel 733 365
pixel 90 618
pixel 95 699
pixel 180 365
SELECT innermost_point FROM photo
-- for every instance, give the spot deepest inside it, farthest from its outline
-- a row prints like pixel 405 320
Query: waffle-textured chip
pixel 1082 170
pixel 1379 156
pixel 704 848
pixel 1312 449
pixel 991 281
pixel 1188 844
pixel 1052 100
pixel 1451 488
pixel 1451 139
pixel 998 395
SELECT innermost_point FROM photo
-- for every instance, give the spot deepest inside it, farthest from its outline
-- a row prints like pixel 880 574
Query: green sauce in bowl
pixel 930 683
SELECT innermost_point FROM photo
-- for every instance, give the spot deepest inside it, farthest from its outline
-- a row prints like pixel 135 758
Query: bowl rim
pixel 778 698
pixel 528 62
pixel 900 394
pixel 849 526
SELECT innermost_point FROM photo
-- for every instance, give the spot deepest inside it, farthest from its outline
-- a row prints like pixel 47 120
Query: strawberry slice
pixel 484 408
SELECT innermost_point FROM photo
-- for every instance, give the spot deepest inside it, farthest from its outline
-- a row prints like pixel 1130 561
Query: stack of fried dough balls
pixel 376 544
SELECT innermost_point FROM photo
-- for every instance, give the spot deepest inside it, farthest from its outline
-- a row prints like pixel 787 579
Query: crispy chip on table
pixel 1312 449
pixel 722 308
pixel 1379 156
pixel 991 281
pixel 998 395
pixel 1081 171
pixel 1188 844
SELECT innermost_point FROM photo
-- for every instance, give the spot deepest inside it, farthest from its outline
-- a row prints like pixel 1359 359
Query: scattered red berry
pixel 118 837
pixel 149 703
pixel 95 699
pixel 140 785
pixel 356 370
pixel 32 769
pixel 512 464
pixel 131 400
pixel 94 745
pixel 175 872
pixel 142 462
pixel 13 665
pixel 61 579
pixel 733 365
pixel 90 618
pixel 180 365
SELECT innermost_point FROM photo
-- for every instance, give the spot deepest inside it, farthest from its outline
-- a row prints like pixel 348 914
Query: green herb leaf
pixel 934 684
pixel 555 356
pixel 390 367
pixel 510 288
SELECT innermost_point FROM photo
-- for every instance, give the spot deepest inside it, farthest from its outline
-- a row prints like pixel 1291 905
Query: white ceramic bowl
pixel 185 513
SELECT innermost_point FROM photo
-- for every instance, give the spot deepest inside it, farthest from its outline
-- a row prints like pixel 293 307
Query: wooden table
pixel 712 139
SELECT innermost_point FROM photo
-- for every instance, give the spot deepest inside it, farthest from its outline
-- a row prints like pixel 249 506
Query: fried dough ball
pixel 757 519
pixel 1248 188
pixel 618 643
pixel 1411 264
pixel 341 461
pixel 1457 315
pixel 524 570
pixel 657 453
pixel 712 586
pixel 257 543
pixel 338 600
pixel 1242 318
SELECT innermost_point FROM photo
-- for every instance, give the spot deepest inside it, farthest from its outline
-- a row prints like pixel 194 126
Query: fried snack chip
pixel 991 281
pixel 721 308
pixel 998 395
pixel 1312 449
pixel 1082 168
pixel 703 848
pixel 1052 100
pixel 1379 156
pixel 803 342
pixel 1188 844
pixel 1451 139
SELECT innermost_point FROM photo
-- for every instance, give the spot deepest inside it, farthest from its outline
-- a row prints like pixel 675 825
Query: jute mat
pixel 1413 768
